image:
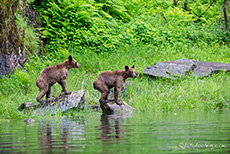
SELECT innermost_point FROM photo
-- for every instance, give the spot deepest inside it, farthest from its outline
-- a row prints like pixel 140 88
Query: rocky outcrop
pixel 182 67
pixel 12 38
pixel 54 105
pixel 9 61
pixel 76 100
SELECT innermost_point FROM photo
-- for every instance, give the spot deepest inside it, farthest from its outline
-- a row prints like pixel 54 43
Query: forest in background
pixel 109 34
pixel 106 25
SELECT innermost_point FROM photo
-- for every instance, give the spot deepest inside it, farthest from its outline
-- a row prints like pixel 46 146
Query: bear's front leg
pixel 48 93
pixel 63 84
pixel 40 100
pixel 116 95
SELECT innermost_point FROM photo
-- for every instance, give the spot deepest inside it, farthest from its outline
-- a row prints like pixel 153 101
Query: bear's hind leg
pixel 104 97
pixel 43 87
pixel 39 98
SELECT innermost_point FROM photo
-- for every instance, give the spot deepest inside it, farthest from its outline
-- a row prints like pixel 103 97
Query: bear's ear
pixel 126 67
pixel 133 66
pixel 70 58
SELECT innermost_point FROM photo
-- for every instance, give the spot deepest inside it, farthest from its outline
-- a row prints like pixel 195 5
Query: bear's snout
pixel 134 76
pixel 77 65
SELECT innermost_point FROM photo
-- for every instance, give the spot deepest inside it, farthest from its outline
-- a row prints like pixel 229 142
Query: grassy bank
pixel 143 93
pixel 107 35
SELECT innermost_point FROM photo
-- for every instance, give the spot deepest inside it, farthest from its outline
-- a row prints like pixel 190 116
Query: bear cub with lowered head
pixel 50 75
pixel 110 79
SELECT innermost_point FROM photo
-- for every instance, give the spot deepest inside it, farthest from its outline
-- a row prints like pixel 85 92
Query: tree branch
pixel 185 5
pixel 225 14
pixel 175 3
pixel 207 9
pixel 163 16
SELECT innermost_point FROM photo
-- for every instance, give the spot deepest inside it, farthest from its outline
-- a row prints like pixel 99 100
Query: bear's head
pixel 130 71
pixel 72 63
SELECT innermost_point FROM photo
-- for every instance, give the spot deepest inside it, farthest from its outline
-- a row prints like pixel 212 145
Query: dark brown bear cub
pixel 110 79
pixel 50 75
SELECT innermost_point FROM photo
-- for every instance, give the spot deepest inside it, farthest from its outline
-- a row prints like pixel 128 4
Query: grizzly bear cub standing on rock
pixel 110 79
pixel 50 75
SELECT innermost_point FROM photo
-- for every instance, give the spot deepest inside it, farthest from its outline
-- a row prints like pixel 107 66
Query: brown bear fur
pixel 110 79
pixel 50 75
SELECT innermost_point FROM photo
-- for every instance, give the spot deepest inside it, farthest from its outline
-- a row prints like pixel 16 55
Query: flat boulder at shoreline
pixel 183 67
pixel 54 105
pixel 76 100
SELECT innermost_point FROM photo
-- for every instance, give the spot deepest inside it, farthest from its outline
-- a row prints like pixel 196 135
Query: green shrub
pixel 105 25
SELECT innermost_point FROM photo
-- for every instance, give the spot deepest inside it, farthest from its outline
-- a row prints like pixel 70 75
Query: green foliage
pixel 105 25
pixel 81 22
pixel 20 80
pixel 31 41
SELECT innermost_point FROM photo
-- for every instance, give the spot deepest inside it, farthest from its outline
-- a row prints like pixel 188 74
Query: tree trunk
pixel 175 3
pixel 225 15
pixel 185 5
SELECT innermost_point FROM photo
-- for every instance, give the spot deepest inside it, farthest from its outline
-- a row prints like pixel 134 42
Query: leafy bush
pixel 105 25
pixel 31 41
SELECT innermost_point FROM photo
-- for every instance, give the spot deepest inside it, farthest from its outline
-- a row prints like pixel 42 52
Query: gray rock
pixel 112 107
pixel 54 105
pixel 182 67
pixel 208 68
pixel 12 38
pixel 9 62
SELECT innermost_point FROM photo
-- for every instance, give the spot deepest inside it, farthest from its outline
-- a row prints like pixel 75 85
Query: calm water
pixel 182 132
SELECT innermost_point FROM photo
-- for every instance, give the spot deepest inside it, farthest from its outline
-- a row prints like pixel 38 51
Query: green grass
pixel 143 93
pixel 122 33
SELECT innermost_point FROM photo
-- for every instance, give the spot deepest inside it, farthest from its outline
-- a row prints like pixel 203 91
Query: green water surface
pixel 161 132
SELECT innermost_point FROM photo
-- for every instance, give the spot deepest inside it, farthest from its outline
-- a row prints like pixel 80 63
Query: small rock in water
pixel 111 107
